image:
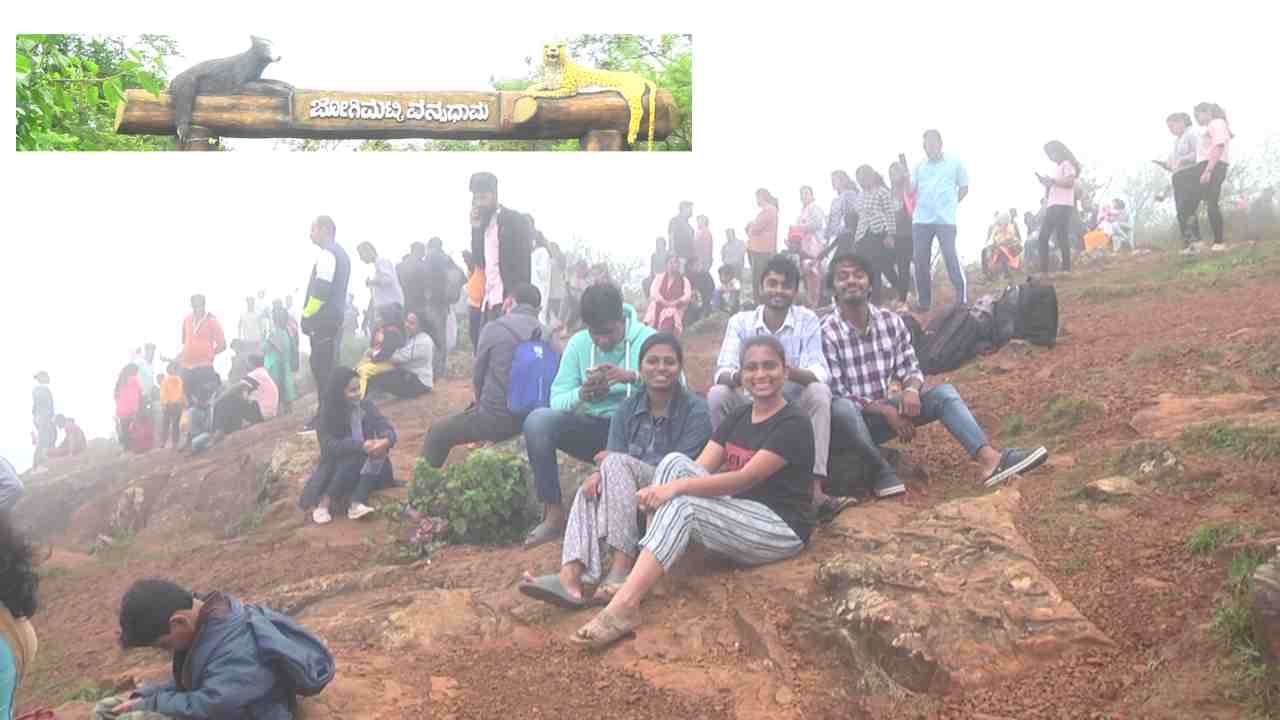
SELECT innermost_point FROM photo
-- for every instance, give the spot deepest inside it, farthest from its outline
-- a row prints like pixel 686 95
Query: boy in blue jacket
pixel 230 660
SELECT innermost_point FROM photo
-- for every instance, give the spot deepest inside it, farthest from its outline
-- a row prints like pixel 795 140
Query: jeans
pixel 1057 221
pixel 470 425
pixel 922 240
pixel 324 356
pixel 1186 200
pixel 863 431
pixel 1210 193
pixel 546 431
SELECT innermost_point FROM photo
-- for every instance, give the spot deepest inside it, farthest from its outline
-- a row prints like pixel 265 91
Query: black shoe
pixel 888 485
pixel 1014 461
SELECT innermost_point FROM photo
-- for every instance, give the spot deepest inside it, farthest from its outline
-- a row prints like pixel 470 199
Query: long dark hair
pixel 1215 110
pixel 1059 149
pixel 126 372
pixel 868 173
pixel 768 197
pixel 337 412
pixel 18 578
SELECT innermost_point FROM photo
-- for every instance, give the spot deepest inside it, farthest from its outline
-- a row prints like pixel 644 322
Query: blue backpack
pixel 533 369
pixel 291 650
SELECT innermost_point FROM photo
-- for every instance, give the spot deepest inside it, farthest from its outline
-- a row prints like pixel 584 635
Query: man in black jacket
pixel 501 242
pixel 412 272
pixel 323 309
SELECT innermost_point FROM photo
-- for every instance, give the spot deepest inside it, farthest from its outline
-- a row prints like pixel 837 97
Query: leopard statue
pixel 562 77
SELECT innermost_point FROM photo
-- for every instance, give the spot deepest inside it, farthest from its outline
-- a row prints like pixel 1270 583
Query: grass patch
pixel 52 571
pixel 1162 354
pixel 1207 538
pixel 1108 293
pixel 1074 566
pixel 1013 426
pixel 88 691
pixel 1252 442
pixel 1064 412
pixel 1212 380
pixel 1247 674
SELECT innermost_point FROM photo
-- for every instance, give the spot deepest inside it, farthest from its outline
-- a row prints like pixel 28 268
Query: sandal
pixel 609 587
pixel 549 589
pixel 603 630
pixel 834 505
pixel 543 533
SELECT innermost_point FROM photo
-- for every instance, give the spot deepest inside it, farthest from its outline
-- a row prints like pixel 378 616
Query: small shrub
pixel 1074 566
pixel 88 691
pixel 1232 623
pixel 1251 442
pixel 480 500
pixel 1206 539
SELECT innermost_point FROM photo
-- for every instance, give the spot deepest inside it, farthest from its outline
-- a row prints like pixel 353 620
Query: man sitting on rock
pixel 798 329
pixel 73 439
pixel 489 419
pixel 866 349
pixel 230 660
pixel 599 369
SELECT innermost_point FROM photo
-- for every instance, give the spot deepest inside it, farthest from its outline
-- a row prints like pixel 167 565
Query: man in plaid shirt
pixel 869 347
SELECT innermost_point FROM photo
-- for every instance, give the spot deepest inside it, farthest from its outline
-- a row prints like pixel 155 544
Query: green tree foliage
pixel 68 88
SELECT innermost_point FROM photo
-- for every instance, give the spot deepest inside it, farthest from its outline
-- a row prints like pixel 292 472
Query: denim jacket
pixel 686 429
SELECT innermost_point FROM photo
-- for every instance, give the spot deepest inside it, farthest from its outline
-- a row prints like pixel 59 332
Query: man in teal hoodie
pixel 599 369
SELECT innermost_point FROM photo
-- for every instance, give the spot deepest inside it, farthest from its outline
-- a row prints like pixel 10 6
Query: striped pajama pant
pixel 744 531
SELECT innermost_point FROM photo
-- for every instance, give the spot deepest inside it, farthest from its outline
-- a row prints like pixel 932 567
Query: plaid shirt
pixel 876 213
pixel 862 365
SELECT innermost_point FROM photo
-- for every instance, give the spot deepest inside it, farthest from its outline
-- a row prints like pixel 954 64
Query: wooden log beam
pixel 387 116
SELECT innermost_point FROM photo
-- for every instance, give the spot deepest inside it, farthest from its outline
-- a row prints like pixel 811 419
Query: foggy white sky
pixel 102 251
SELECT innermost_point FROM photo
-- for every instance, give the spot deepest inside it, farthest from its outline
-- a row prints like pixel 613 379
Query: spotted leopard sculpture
pixel 562 77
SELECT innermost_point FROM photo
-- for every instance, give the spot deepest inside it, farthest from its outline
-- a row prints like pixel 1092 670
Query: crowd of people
pixel 821 360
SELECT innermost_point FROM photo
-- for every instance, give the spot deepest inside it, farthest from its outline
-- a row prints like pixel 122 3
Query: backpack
pixel 917 337
pixel 291 650
pixel 1037 318
pixel 951 340
pixel 1006 316
pixel 533 368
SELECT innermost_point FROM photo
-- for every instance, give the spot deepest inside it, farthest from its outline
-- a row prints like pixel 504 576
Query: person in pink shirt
pixel 1212 154
pixel 128 401
pixel 1060 203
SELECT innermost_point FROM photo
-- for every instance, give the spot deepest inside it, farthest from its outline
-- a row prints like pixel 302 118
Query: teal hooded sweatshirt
pixel 581 354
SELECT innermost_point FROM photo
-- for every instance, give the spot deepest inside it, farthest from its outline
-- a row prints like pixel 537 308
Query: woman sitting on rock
pixel 17 604
pixel 666 418
pixel 355 440
pixel 748 497
pixel 411 373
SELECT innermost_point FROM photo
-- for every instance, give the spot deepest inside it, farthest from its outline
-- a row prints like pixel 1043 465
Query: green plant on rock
pixel 482 498
pixel 1252 442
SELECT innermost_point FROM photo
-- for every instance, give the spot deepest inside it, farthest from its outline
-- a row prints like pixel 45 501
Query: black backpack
pixel 950 339
pixel 917 337
pixel 1037 318
pixel 1005 312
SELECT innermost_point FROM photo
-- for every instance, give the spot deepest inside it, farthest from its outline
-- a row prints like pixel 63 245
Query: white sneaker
pixel 1190 250
pixel 358 510
pixel 1218 247
pixel 321 516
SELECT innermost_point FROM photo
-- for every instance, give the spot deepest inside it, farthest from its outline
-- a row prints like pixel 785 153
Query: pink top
pixel 492 273
pixel 1059 195
pixel 762 233
pixel 1217 133
pixel 129 397
pixel 267 395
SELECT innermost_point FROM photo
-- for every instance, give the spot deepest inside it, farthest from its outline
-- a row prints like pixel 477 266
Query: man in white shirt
pixel 385 283
pixel 799 331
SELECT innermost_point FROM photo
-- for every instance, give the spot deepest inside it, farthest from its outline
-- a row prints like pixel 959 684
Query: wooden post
pixel 200 140
pixel 349 115
pixel 596 140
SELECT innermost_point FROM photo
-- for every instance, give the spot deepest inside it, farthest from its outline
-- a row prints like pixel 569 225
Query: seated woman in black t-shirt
pixel 747 497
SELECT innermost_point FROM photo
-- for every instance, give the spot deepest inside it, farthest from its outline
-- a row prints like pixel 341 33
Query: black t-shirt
pixel 789 434
pixel 681 234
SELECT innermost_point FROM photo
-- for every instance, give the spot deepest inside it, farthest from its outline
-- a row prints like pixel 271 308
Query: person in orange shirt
pixel 172 400
pixel 202 341
pixel 475 297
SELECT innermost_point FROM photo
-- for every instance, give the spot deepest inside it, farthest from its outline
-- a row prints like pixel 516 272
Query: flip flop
pixel 603 630
pixel 543 533
pixel 833 506
pixel 549 589
pixel 601 597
